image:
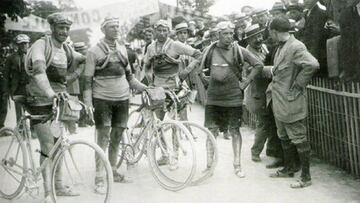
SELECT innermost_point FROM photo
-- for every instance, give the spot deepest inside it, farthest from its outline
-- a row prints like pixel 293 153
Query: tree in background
pixel 198 5
pixel 13 9
pixel 43 8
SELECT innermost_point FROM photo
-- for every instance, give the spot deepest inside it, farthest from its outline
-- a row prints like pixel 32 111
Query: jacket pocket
pixel 293 94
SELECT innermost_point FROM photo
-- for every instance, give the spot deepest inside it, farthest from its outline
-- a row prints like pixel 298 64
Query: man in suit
pixel 15 75
pixel 293 68
pixel 350 42
pixel 255 101
pixel 314 34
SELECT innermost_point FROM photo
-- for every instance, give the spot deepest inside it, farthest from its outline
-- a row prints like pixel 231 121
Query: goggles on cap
pixel 225 25
pixel 162 23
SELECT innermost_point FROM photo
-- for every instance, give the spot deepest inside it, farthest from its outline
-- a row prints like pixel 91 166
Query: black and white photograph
pixel 181 101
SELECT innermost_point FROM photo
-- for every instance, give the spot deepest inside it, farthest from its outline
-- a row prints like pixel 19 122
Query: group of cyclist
pixel 108 79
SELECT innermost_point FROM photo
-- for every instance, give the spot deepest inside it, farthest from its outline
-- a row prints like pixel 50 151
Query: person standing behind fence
pixel 225 60
pixel 350 42
pixel 255 101
pixel 293 69
pixel 314 35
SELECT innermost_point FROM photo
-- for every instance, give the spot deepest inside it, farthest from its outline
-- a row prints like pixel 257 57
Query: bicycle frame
pixel 32 172
pixel 151 125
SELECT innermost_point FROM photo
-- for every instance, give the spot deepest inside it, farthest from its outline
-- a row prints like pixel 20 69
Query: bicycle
pixel 154 137
pixel 20 173
pixel 202 136
pixel 132 149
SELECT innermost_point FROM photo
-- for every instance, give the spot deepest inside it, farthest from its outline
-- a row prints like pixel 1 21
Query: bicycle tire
pixel 92 197
pixel 15 137
pixel 210 136
pixel 164 180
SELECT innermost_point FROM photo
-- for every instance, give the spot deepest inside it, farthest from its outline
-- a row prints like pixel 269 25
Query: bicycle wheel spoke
pixel 13 164
pixel 84 176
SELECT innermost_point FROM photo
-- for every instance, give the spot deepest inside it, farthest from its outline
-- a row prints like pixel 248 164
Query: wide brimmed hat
pixel 299 7
pixel 59 18
pixel 252 31
pixel 181 26
pixel 22 38
pixel 259 11
pixel 241 17
pixel 278 6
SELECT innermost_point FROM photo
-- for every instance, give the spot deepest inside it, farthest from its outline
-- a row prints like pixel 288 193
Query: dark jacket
pixel 15 75
pixel 315 36
pixel 350 43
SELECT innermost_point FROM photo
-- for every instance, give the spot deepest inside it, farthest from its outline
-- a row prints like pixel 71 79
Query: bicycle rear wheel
pixel 171 139
pixel 13 163
pixel 77 166
pixel 204 142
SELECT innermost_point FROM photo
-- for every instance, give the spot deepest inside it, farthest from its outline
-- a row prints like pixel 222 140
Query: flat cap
pixel 59 18
pixel 280 24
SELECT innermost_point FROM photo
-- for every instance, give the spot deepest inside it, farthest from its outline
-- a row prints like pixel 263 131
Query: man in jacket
pixel 255 101
pixel 15 75
pixel 314 35
pixel 293 68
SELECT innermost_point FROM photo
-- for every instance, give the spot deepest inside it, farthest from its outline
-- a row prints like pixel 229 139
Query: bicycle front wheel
pixel 172 155
pixel 83 167
pixel 13 163
pixel 204 142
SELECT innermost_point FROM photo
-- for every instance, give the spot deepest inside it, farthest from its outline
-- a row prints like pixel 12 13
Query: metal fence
pixel 333 122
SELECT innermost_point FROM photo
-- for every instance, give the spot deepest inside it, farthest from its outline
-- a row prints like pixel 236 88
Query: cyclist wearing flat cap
pixel 47 64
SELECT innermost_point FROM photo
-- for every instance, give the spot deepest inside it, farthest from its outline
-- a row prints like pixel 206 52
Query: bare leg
pixel 237 144
pixel 210 148
pixel 103 135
